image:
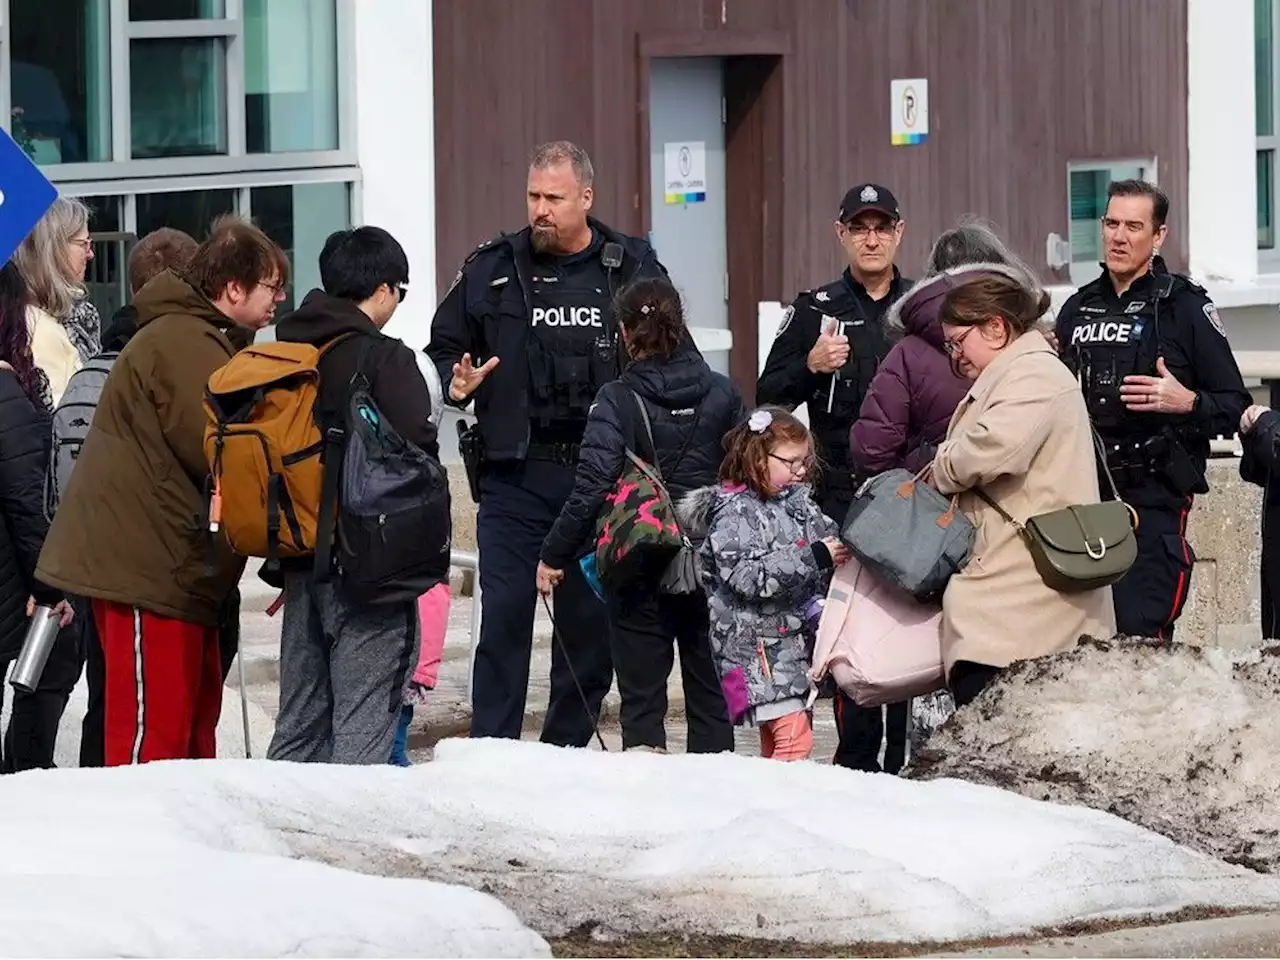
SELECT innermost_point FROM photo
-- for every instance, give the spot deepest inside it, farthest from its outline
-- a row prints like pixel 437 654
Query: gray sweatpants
pixel 343 669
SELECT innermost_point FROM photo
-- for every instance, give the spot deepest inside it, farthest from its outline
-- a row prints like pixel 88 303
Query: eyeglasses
pixel 400 290
pixel 860 231
pixel 953 347
pixel 275 288
pixel 798 466
pixel 84 243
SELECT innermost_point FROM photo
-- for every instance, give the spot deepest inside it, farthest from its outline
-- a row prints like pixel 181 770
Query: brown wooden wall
pixel 1017 89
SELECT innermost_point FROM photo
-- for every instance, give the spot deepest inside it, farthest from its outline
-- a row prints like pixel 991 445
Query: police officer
pixel 1160 380
pixel 826 352
pixel 527 333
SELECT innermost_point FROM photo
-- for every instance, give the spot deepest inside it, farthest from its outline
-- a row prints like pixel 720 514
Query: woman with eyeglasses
pixel 66 330
pixel 1020 439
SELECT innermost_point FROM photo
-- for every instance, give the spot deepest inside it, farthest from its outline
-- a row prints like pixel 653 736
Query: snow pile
pixel 193 859
pixel 1182 740
pixel 730 845
pixel 234 858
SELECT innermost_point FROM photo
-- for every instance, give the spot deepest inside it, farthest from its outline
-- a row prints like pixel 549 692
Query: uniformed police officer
pixel 1160 381
pixel 527 332
pixel 826 352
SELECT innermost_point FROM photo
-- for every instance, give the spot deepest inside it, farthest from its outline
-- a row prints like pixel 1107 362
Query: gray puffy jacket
pixel 761 575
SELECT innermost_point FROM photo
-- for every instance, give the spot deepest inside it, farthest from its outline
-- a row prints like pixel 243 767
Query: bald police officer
pixel 1160 381
pixel 827 350
pixel 527 333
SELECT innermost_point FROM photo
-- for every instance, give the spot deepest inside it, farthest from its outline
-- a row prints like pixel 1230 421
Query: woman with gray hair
pixel 914 392
pixel 65 327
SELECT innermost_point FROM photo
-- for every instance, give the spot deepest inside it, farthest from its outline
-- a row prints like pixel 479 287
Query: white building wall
pixel 395 130
pixel 1221 141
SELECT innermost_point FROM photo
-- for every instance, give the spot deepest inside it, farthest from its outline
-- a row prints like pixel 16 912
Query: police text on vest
pixel 1103 331
pixel 567 316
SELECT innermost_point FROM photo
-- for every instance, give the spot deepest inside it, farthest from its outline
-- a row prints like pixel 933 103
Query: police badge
pixel 786 321
pixel 1211 312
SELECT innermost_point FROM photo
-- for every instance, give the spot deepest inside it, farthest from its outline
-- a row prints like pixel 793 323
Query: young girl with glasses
pixel 767 562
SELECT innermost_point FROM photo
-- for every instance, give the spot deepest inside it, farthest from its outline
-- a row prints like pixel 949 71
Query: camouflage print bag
pixel 637 535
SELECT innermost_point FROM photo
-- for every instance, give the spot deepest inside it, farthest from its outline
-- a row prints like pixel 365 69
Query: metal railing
pixel 470 561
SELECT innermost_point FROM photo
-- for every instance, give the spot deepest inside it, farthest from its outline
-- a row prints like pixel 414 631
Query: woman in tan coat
pixel 1021 434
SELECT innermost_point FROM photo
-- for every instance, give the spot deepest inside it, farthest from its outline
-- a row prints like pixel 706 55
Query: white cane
pixel 244 702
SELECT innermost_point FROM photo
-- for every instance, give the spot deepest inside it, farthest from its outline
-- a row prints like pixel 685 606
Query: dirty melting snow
pixel 247 857
pixel 1182 740
pixel 732 845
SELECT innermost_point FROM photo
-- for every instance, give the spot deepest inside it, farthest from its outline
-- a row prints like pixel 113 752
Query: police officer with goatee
pixel 1160 382
pixel 527 333
pixel 831 340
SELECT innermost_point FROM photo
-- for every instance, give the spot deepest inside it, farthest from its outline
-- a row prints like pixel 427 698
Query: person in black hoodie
pixel 691 409
pixel 343 665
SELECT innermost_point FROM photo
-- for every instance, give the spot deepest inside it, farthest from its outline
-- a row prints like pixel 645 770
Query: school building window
pixel 172 112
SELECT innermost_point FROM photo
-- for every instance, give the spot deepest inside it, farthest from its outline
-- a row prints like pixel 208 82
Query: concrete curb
pixel 1251 935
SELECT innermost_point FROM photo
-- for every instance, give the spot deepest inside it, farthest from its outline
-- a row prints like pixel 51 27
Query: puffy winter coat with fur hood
pixel 906 410
pixel 761 573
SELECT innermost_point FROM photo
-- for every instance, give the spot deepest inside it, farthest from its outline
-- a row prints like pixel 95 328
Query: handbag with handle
pixel 1083 546
pixel 908 533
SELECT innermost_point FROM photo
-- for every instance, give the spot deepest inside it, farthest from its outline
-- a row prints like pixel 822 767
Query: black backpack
pixel 393 529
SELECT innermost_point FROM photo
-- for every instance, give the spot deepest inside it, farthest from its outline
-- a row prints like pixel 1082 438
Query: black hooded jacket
pixel 690 408
pixel 395 381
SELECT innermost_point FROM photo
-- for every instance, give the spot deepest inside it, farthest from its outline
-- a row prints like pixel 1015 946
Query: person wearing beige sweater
pixel 1022 435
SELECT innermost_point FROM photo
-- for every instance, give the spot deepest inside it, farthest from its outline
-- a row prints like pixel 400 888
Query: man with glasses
pixel 826 352
pixel 1160 382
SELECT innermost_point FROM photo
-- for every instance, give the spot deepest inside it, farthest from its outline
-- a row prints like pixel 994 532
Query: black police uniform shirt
pixel 833 399
pixel 550 321
pixel 1104 337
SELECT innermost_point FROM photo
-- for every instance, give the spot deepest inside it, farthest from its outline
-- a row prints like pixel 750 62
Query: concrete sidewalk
pixel 1256 935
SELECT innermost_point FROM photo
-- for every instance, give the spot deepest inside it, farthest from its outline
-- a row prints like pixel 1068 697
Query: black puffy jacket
pixel 690 408
pixel 24 458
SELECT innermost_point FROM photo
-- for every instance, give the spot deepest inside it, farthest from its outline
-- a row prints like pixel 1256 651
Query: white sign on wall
pixel 909 110
pixel 685 172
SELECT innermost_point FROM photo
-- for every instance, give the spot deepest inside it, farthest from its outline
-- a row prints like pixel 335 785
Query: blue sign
pixel 25 195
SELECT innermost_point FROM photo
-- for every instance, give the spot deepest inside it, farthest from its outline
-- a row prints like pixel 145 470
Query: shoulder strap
pixel 1106 471
pixel 648 432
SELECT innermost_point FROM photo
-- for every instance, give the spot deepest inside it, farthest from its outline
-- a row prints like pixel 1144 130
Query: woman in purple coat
pixel 907 408
pixel 915 391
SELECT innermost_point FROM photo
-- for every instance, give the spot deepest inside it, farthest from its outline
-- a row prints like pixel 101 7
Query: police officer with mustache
pixel 527 333
pixel 825 355
pixel 1160 381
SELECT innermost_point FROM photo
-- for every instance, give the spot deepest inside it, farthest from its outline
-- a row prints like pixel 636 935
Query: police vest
pixel 573 345
pixel 1105 342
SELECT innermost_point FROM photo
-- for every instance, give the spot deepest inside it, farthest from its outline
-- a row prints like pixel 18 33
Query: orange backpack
pixel 267 455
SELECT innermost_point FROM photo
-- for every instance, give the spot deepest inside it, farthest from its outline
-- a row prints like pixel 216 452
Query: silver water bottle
pixel 41 635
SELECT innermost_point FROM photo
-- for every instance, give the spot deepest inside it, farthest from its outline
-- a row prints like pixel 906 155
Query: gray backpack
pixel 71 422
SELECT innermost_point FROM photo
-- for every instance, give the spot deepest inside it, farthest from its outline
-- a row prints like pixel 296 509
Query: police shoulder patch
pixel 456 280
pixel 786 320
pixel 1211 313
